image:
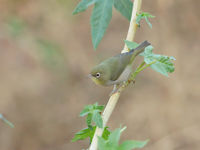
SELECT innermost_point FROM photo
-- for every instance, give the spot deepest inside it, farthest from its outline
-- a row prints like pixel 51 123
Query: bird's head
pixel 100 74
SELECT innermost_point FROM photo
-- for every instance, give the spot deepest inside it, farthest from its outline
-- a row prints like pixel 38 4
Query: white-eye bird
pixel 116 69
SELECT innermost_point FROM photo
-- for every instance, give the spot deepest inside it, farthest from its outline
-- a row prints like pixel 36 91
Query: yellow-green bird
pixel 116 69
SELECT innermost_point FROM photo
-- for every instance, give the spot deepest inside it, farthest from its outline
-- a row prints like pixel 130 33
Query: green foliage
pixel 163 64
pixel 50 53
pixel 131 45
pixel 89 133
pixel 101 16
pixel 15 26
pixel 112 143
pixel 93 114
pixel 160 63
pixel 144 15
pixel 84 133
pixel 124 7
pixel 83 5
pixel 6 121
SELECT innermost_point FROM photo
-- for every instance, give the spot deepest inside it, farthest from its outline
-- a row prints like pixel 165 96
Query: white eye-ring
pixel 98 75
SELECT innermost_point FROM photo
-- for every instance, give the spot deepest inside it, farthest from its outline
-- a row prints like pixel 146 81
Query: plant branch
pixel 114 97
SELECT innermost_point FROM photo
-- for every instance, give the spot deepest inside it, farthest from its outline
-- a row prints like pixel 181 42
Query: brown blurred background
pixel 46 54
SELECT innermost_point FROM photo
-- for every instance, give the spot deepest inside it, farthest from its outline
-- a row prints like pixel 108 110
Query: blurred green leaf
pixel 114 137
pixel 6 121
pixel 93 114
pixel 15 26
pixel 101 16
pixel 112 143
pixel 124 7
pixel 89 119
pixel 131 45
pixel 129 145
pixel 89 133
pixel 144 15
pixel 83 134
pixel 50 52
pixel 96 117
pixel 163 64
pixel 106 133
pixel 83 5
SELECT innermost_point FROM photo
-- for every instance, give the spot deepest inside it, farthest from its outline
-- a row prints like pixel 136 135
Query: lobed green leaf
pixel 163 64
pixel 96 117
pixel 89 133
pixel 101 16
pixel 112 142
pixel 124 7
pixel 114 137
pixel 129 145
pixel 131 45
pixel 106 133
pixel 144 15
pixel 84 133
pixel 83 5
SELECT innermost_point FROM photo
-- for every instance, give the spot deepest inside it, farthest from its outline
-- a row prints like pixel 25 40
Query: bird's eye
pixel 98 75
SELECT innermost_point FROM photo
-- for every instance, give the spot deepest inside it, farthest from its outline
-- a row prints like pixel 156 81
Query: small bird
pixel 116 69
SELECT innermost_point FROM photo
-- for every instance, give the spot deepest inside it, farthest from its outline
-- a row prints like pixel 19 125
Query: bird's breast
pixel 123 77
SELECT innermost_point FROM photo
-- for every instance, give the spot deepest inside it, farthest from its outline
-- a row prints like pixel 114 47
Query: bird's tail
pixel 140 48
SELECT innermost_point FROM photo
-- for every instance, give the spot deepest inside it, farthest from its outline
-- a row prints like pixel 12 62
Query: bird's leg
pixel 115 88
pixel 131 81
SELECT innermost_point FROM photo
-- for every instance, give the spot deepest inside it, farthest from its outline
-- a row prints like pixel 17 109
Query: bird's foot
pixel 131 81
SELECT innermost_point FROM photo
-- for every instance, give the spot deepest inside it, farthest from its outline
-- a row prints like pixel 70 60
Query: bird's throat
pixel 96 81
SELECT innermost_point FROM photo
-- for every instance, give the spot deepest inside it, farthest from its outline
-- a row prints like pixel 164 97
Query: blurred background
pixel 46 54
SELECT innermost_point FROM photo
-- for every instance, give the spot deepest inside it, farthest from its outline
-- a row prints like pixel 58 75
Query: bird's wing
pixel 121 61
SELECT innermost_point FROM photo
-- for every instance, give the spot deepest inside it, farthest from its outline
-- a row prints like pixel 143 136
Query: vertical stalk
pixel 114 98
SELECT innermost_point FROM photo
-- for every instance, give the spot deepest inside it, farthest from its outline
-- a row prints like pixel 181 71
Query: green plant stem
pixel 114 97
pixel 141 68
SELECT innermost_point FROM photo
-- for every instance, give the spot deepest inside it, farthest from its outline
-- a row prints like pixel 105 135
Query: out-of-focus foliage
pixel 146 16
pixel 124 7
pixel 160 63
pixel 93 114
pixel 112 143
pixel 102 14
pixel 15 26
pixel 89 133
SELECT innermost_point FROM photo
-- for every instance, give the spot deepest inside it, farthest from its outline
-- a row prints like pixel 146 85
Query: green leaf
pixel 163 64
pixel 83 5
pixel 50 53
pixel 131 45
pixel 112 142
pixel 148 22
pixel 93 114
pixel 83 134
pixel 129 145
pixel 89 120
pixel 124 7
pixel 114 137
pixel 100 107
pixel 101 16
pixel 16 26
pixel 89 133
pixel 102 144
pixel 96 117
pixel 6 121
pixel 87 109
pixel 106 133
pixel 144 15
